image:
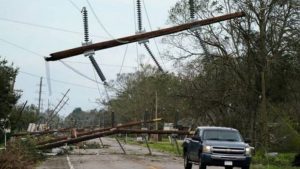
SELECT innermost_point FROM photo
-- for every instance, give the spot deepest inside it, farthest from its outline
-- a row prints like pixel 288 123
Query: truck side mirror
pixel 197 138
pixel 247 140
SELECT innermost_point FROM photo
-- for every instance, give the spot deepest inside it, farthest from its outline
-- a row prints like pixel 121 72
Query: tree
pixel 250 64
pixel 8 97
pixel 136 96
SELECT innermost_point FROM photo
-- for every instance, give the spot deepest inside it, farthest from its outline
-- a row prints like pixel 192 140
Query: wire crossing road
pixel 112 157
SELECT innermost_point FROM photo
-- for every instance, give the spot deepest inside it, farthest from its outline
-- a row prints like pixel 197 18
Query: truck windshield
pixel 222 135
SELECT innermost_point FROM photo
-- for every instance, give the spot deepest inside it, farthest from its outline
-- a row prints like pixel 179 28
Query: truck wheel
pixel 201 165
pixel 246 167
pixel 227 167
pixel 187 164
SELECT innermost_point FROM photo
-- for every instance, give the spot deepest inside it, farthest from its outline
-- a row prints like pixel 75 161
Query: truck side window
pixel 197 133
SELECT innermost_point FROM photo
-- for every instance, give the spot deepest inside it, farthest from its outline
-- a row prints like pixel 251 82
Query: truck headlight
pixel 248 151
pixel 206 149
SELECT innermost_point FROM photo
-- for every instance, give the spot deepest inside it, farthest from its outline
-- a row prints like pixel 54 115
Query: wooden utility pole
pixel 264 113
pixel 140 37
pixel 156 124
pixel 40 96
pixel 61 100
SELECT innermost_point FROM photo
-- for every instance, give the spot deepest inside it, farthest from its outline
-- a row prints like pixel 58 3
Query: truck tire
pixel 187 163
pixel 202 165
pixel 228 167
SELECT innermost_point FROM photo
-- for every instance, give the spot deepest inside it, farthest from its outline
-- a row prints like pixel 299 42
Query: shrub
pixel 20 154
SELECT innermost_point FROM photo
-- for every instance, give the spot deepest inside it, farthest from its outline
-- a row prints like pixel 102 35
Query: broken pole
pixel 146 141
pixel 77 140
pixel 121 145
pixel 140 37
pixel 101 142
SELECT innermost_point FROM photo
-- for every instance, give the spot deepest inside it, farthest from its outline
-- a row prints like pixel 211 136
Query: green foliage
pixel 8 97
pixel 137 95
pixel 165 147
pixel 19 120
pixel 20 154
pixel 80 118
pixel 282 160
pixel 162 146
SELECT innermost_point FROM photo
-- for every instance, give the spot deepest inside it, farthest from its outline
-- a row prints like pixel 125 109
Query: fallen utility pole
pixel 130 124
pixel 129 131
pixel 41 132
pixel 107 133
pixel 140 37
pixel 76 140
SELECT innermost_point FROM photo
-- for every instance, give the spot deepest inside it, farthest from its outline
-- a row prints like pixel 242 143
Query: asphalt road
pixel 112 157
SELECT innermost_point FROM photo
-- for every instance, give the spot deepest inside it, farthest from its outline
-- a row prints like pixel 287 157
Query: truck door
pixel 195 146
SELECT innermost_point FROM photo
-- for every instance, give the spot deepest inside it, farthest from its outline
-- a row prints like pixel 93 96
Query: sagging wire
pixel 47 66
pixel 123 60
pixel 192 16
pixel 148 19
pixel 48 69
pixel 20 47
pixel 58 81
pixel 37 54
pixel 75 6
pixel 102 25
pixel 77 72
pixel 140 30
pixel 46 27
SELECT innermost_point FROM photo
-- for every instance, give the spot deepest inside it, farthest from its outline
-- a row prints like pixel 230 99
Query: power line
pixel 45 27
pixel 108 65
pixel 37 54
pixel 97 83
pixel 58 81
pixel 101 24
pixel 47 66
pixel 20 47
pixel 77 72
pixel 74 5
pixel 150 26
pixel 123 60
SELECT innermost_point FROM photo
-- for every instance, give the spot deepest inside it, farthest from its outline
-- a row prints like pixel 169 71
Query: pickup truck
pixel 216 146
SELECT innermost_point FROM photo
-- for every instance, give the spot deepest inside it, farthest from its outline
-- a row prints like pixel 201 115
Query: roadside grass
pixel 281 161
pixel 161 146
pixel 166 147
pixel 255 166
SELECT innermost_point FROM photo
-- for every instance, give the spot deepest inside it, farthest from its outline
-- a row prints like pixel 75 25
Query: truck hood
pixel 229 144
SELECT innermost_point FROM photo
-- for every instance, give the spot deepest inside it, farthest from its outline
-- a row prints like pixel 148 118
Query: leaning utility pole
pixel 140 37
pixel 61 100
pixel 40 96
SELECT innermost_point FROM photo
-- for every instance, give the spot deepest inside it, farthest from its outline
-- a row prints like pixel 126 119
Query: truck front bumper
pixel 220 160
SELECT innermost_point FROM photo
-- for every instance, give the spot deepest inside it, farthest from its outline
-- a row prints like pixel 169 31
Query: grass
pixel 166 147
pixel 281 161
pixel 255 166
pixel 162 146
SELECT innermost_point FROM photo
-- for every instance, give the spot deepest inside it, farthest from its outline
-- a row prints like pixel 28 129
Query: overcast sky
pixel 31 29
